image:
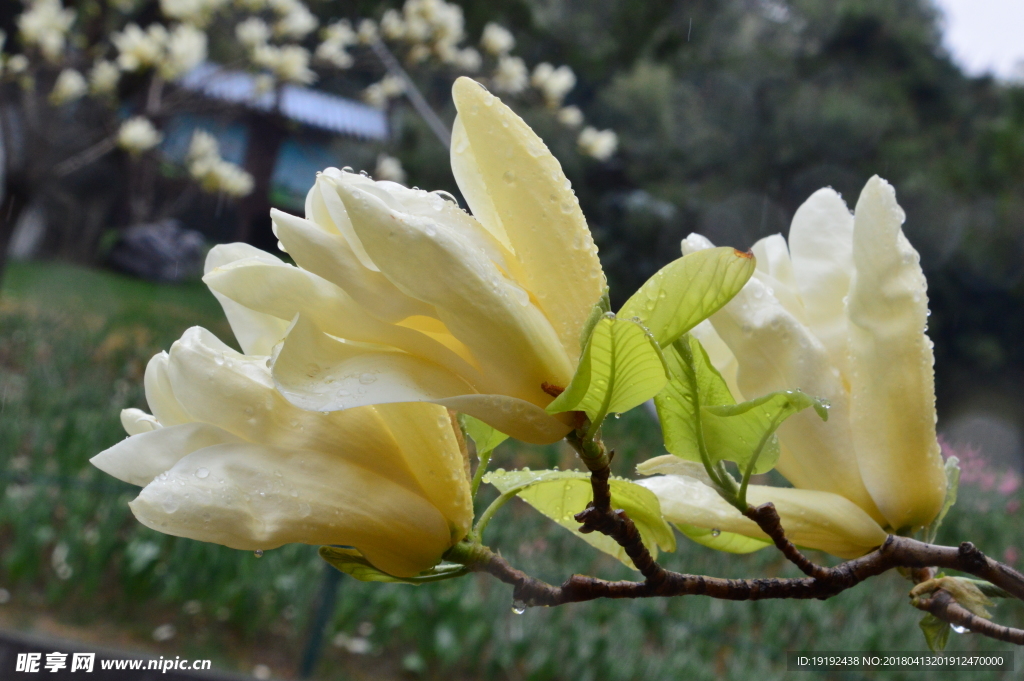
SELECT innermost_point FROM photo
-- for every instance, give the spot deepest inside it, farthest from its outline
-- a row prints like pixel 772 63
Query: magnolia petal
pixel 248 496
pixel 159 396
pixel 136 421
pixel 821 243
pixel 775 270
pixel 892 377
pixel 257 333
pixel 811 519
pixel 777 352
pixel 328 255
pixel 324 208
pixel 523 187
pixel 511 339
pixel 315 371
pixel 139 459
pixel 443 477
pixel 284 291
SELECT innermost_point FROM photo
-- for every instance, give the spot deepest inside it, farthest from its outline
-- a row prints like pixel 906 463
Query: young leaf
pixel 600 309
pixel 352 563
pixel 745 432
pixel 621 368
pixel 952 485
pixel 730 542
pixel 694 382
pixel 688 290
pixel 560 495
pixel 936 632
pixel 485 437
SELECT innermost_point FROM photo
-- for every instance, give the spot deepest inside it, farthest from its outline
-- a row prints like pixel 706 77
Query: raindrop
pixel 618 416
pixel 447 197
pixel 367 379
pixel 347 169
pixel 509 177
pixel 715 532
pixel 258 553
pixel 518 606
pixel 202 473
pixel 958 629
pixel 364 173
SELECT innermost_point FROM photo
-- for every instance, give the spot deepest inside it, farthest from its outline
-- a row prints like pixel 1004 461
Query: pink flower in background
pixel 975 470
pixel 1010 555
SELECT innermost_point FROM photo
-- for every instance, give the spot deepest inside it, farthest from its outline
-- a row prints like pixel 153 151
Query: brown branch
pixel 767 518
pixel 943 606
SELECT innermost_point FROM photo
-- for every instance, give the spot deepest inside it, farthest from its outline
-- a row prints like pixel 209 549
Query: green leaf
pixel 694 381
pixel 600 309
pixel 936 632
pixel 621 368
pixel 952 485
pixel 352 563
pixel 699 417
pixel 485 437
pixel 560 495
pixel 730 542
pixel 688 290
pixel 745 432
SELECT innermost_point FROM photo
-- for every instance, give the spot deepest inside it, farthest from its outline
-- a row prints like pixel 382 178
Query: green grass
pixel 73 346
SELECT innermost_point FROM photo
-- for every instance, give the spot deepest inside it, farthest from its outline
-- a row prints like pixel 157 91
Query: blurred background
pixel 135 134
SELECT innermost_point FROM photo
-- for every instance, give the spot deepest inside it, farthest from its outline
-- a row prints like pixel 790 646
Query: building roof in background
pixel 301 104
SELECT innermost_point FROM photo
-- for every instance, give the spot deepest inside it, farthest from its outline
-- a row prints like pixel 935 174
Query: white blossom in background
pixel 139 49
pixel 599 144
pixel 185 50
pixel 263 83
pixel 289 63
pixel 570 116
pixel 104 77
pixel 389 168
pixel 213 173
pixel 379 94
pixel 497 39
pixel 337 37
pixel 392 26
pixel 367 32
pixel 195 12
pixel 45 24
pixel 16 64
pixel 510 75
pixel 69 86
pixel 137 135
pixel 553 83
pixel 297 23
pixel 252 32
pixel 468 59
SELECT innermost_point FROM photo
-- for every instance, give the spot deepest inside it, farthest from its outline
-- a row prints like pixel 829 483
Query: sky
pixel 985 35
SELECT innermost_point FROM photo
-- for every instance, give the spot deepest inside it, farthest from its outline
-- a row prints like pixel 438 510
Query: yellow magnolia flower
pixel 225 458
pixel 401 296
pixel 841 314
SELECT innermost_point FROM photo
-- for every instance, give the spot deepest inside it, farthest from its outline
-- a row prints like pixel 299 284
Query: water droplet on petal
pixel 367 379
pixel 258 553
pixel 202 473
pixel 509 177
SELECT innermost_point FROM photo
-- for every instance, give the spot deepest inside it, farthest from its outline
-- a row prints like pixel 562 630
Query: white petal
pixel 330 256
pixel 775 270
pixel 892 376
pixel 325 209
pixel 511 339
pixel 159 396
pixel 136 421
pixel 257 333
pixel 523 186
pixel 317 372
pixel 283 291
pixel 811 519
pixel 821 243
pixel 249 496
pixel 139 459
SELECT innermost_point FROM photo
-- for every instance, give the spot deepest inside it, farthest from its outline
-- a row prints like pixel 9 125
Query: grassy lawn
pixel 73 347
